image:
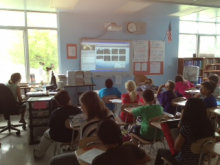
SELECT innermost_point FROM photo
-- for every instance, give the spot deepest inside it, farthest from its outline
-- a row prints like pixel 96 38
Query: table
pixel 40 93
pixel 25 88
pixel 216 112
pixel 192 92
pixel 115 101
pixel 180 103
pixel 83 150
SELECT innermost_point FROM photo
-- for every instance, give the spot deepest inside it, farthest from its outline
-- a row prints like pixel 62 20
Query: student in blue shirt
pixel 207 89
pixel 109 90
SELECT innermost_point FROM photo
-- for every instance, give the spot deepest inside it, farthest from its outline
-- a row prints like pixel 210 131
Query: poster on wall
pixel 157 50
pixel 140 50
pixel 155 67
pixel 71 51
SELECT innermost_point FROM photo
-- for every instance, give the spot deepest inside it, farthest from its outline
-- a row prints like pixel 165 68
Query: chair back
pixel 158 119
pixel 170 131
pixel 89 142
pixel 109 97
pixel 140 79
pixel 8 104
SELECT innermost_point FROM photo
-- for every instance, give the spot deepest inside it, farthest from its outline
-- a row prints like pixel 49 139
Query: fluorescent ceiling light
pixel 63 4
pixel 188 11
pixel 132 7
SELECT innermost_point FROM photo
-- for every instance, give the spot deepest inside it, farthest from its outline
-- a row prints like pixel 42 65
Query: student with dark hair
pixel 148 111
pixel 117 154
pixel 16 91
pixel 182 85
pixel 95 111
pixel 194 126
pixel 57 129
pixel 207 89
pixel 109 91
pixel 165 98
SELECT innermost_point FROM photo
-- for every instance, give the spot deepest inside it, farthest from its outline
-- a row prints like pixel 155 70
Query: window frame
pixel 25 37
pixel 198 35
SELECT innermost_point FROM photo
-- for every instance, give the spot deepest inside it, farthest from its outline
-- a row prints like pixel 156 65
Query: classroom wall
pixel 73 27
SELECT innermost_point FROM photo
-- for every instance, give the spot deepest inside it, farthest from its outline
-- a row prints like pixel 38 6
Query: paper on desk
pixel 118 79
pixel 90 155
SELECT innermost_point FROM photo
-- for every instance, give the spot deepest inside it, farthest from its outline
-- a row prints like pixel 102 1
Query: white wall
pixel 73 27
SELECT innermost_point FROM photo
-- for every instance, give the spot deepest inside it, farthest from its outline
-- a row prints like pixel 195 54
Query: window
pixel 202 38
pixel 23 48
pixel 187 46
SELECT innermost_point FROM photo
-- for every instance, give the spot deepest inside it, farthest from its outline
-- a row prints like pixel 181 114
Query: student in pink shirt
pixel 182 85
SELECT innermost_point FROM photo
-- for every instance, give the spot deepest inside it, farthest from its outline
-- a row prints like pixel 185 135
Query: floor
pixel 16 150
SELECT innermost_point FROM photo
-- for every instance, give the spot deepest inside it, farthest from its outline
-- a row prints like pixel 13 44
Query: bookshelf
pixel 207 66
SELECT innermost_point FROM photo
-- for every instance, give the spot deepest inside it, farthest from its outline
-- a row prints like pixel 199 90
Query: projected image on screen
pixel 108 56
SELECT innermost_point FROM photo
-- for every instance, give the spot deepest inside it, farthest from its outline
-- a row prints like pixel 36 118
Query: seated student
pixel 165 98
pixel 206 90
pixel 95 111
pixel 57 130
pixel 16 91
pixel 214 79
pixel 148 111
pixel 182 85
pixel 117 154
pixel 129 98
pixel 195 125
pixel 109 90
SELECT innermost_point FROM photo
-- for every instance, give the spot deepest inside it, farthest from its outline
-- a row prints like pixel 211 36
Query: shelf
pixel 217 64
pixel 208 71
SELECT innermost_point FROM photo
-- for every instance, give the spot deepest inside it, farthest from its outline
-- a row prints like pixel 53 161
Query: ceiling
pixel 195 10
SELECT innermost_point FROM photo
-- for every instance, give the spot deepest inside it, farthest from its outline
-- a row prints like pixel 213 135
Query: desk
pixel 39 93
pixel 180 103
pixel 25 88
pixel 156 124
pixel 192 92
pixel 76 86
pixel 83 150
pixel 115 101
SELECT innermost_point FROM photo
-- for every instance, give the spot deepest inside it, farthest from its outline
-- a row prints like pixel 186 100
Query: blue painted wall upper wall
pixel 73 27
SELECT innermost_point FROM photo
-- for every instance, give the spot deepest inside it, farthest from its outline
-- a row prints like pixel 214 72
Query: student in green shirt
pixel 148 111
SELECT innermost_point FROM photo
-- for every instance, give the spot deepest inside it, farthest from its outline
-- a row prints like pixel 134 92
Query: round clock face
pixel 131 27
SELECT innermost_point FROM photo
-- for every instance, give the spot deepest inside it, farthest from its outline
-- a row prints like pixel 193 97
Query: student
pixel 95 111
pixel 206 90
pixel 109 90
pixel 57 130
pixel 148 111
pixel 165 98
pixel 195 125
pixel 16 91
pixel 214 79
pixel 182 85
pixel 129 98
pixel 110 135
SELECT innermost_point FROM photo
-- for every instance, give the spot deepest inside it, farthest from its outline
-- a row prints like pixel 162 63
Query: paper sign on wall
pixel 157 50
pixel 140 50
pixel 155 67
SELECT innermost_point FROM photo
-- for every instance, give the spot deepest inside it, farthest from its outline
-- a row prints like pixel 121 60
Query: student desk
pixel 83 150
pixel 192 92
pixel 180 103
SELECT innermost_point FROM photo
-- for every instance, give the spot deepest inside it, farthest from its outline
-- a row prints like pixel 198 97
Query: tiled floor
pixel 16 150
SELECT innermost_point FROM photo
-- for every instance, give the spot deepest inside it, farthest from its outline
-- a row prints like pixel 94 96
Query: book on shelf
pixel 198 63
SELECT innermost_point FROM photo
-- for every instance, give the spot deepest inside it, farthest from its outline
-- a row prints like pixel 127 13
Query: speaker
pixel 136 27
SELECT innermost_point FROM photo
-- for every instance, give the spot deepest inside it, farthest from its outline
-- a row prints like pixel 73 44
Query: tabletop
pixel 85 85
pixel 215 110
pixel 192 91
pixel 83 150
pixel 180 103
pixel 119 101
pixel 156 124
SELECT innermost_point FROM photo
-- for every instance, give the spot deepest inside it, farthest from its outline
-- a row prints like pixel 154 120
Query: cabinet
pixel 207 66
pixel 40 109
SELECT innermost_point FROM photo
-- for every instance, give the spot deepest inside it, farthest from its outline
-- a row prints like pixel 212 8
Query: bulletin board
pixel 148 57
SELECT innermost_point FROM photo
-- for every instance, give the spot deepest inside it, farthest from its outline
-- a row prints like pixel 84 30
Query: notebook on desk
pixel 90 155
pixel 77 120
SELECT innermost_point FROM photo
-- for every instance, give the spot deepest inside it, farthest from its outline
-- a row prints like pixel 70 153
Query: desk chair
pixel 176 100
pixel 106 99
pixel 9 106
pixel 142 141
